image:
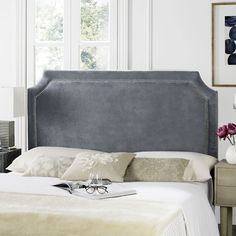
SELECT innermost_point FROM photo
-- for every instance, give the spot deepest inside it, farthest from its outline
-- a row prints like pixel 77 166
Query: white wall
pixel 8 44
pixel 139 35
pixel 12 54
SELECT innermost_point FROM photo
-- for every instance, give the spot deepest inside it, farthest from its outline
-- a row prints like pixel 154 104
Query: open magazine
pixel 95 191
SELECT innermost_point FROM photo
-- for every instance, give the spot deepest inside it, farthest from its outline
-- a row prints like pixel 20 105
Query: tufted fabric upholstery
pixel 116 111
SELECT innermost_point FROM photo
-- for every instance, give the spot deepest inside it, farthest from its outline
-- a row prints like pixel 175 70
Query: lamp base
pixel 7 136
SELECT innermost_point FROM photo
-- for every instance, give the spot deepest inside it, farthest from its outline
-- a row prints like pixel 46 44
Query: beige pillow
pixel 49 166
pixel 106 165
pixel 23 162
pixel 199 166
pixel 151 170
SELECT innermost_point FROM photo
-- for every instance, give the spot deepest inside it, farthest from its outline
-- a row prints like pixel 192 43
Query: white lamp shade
pixel 11 102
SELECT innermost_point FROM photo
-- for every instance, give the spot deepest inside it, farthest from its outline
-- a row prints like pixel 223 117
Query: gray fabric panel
pixel 123 111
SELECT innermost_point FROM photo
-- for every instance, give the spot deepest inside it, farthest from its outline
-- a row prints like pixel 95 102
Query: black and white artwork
pixel 230 40
pixel 224 44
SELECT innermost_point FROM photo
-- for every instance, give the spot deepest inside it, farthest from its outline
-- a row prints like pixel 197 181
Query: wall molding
pixel 123 35
pixel 140 21
pixel 21 68
pixel 150 63
pixel 21 42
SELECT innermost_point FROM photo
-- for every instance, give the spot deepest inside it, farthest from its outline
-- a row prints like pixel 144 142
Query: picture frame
pixel 224 44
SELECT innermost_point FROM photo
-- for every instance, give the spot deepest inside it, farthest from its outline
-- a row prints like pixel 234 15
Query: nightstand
pixel 7 157
pixel 225 194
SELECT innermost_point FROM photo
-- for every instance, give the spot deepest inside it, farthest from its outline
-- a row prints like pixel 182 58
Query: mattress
pixel 196 216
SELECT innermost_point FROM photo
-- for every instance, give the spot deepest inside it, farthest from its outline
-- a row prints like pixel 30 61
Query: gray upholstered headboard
pixel 123 111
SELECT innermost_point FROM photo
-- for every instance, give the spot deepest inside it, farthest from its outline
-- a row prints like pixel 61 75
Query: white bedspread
pixel 198 215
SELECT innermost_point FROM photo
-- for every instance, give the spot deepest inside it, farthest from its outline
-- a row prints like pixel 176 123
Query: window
pixel 71 34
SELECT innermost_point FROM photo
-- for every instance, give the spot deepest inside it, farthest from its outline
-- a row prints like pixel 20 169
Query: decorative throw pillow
pixel 46 166
pixel 199 166
pixel 23 162
pixel 106 165
pixel 151 170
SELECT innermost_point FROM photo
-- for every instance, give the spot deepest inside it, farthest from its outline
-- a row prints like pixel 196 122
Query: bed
pixel 115 112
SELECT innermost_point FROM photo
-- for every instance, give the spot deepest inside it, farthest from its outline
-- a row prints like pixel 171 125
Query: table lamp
pixel 11 106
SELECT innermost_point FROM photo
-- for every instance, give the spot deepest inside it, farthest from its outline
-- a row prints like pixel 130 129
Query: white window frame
pixel 72 42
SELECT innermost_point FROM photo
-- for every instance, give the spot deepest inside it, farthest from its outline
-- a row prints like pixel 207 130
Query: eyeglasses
pixel 101 189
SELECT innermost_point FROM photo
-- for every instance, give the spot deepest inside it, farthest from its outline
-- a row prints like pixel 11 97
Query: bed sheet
pixel 206 187
pixel 197 218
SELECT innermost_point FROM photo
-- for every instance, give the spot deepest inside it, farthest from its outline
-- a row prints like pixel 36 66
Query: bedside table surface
pixel 4 150
pixel 223 163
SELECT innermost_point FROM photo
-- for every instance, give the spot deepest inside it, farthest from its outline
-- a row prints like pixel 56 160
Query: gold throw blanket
pixel 43 215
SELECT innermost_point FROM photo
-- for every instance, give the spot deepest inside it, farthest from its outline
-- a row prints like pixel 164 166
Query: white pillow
pixel 23 162
pixel 106 165
pixel 199 166
pixel 49 166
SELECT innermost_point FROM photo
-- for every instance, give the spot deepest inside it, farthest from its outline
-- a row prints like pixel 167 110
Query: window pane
pixel 94 20
pixel 92 58
pixel 49 17
pixel 48 58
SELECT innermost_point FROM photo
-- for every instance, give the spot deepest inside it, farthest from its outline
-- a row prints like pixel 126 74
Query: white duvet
pixel 196 213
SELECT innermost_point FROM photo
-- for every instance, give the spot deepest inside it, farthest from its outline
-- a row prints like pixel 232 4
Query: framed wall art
pixel 224 44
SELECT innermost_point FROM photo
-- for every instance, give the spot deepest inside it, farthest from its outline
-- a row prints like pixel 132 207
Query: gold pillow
pixel 106 165
pixel 154 170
